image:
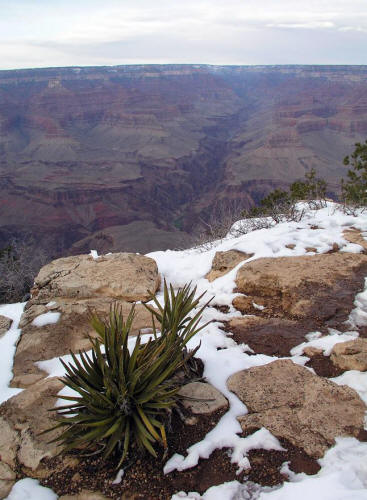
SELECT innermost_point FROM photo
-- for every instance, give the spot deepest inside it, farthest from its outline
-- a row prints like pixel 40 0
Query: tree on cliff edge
pixel 354 189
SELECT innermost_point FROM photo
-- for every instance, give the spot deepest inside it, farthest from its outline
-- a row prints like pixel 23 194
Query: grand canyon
pixel 130 158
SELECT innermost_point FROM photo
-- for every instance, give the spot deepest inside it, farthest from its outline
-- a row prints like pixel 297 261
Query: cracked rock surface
pixel 294 404
pixel 351 355
pixel 124 276
pixel 72 287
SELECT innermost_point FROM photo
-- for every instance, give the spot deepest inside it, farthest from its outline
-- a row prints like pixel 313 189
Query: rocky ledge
pixel 279 301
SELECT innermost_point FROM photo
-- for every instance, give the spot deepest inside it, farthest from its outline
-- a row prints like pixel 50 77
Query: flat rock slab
pixel 56 319
pixel 224 262
pixel 271 336
pixel 294 404
pixel 321 287
pixel 206 399
pixel 124 276
pixel 351 355
pixel 5 324
pixel 22 418
pixel 70 332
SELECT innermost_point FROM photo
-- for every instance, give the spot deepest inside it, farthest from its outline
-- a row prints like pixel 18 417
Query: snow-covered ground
pixel 343 474
pixel 7 349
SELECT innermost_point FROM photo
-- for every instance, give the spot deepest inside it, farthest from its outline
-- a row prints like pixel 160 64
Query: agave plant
pixel 174 316
pixel 122 396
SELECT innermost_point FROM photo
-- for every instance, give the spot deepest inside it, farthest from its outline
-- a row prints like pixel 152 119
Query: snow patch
pixel 326 343
pixel 343 476
pixel 30 489
pixel 94 254
pixel 7 349
pixel 48 318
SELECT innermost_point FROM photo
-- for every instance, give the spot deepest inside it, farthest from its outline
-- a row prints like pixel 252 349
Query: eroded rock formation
pixel 65 292
pixel 293 403
pixel 127 158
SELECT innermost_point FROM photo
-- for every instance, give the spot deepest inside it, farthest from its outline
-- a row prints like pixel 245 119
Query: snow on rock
pixel 48 318
pixel 179 267
pixel 30 489
pixel 325 343
pixel 230 490
pixel 358 317
pixel 94 254
pixel 343 475
pixel 7 349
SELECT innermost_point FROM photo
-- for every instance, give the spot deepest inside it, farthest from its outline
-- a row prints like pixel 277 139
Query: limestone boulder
pixel 57 318
pixel 318 286
pixel 351 355
pixel 5 324
pixel 123 276
pixel 224 262
pixel 292 403
pixel 312 351
pixel 202 398
pixel 22 418
pixel 70 332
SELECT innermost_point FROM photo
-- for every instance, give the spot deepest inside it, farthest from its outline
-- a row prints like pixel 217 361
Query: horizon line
pixel 197 65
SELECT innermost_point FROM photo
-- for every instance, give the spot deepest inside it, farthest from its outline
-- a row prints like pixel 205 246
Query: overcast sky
pixel 38 33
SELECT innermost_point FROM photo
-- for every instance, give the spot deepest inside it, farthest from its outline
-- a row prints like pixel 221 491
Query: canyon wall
pixel 129 157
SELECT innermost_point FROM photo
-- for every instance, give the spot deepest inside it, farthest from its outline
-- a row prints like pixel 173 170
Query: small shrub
pixel 20 262
pixel 280 205
pixel 312 189
pixel 249 224
pixel 123 397
pixel 217 223
pixel 275 205
pixel 354 189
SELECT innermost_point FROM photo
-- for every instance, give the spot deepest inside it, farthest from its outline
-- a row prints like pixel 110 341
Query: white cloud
pixel 82 32
pixel 310 25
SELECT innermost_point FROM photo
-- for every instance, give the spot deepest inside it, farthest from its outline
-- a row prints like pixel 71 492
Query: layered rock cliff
pixel 84 152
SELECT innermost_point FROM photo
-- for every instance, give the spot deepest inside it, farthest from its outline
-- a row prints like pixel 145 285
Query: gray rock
pixel 124 276
pixel 209 398
pixel 300 287
pixel 292 403
pixel 224 262
pixel 5 324
pixel 350 355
